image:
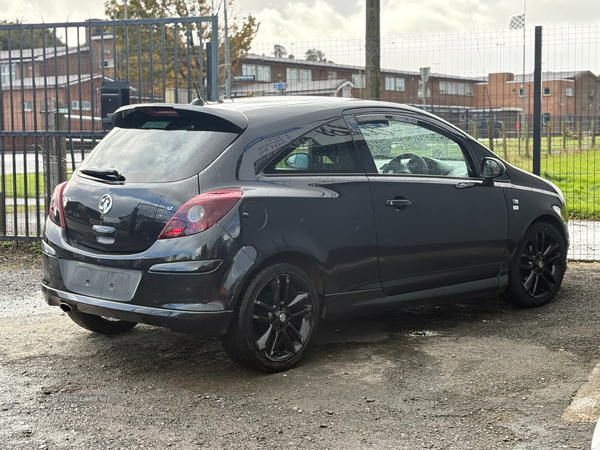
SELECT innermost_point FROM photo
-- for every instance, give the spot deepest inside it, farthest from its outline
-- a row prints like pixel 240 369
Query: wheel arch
pixel 556 223
pixel 300 260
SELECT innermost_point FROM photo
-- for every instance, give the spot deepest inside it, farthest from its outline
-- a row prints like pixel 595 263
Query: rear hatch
pixel 142 172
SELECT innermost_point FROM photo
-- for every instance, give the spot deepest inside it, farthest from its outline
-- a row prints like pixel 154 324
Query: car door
pixel 438 224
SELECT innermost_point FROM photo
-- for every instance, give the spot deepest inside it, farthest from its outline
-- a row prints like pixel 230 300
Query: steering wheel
pixel 416 164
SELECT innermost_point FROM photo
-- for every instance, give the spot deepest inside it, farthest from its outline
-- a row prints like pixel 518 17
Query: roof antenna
pixel 198 101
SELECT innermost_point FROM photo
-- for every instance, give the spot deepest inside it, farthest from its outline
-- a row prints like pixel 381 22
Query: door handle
pixel 398 203
pixel 465 185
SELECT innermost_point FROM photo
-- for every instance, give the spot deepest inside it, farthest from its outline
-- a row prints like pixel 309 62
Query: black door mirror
pixel 491 168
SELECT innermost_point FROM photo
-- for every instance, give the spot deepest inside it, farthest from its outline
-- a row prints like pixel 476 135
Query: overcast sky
pixel 326 19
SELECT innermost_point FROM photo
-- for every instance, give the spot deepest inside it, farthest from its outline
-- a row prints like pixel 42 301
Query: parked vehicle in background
pixel 256 219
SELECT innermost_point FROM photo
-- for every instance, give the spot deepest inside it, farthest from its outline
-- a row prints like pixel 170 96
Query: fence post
pixel 537 101
pixel 475 131
pixel 579 137
pixel 527 139
pixel 490 124
pixel 564 135
pixel 2 213
pixel 55 170
pixel 519 131
pixel 504 149
pixel 593 130
pixel 549 138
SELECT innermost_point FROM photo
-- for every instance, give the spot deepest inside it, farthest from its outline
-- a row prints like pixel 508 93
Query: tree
pixel 279 51
pixel 315 55
pixel 40 37
pixel 180 41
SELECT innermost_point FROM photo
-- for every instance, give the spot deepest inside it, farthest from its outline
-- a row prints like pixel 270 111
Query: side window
pixel 327 149
pixel 405 148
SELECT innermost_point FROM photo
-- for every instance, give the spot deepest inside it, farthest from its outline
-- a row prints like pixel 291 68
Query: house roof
pixel 554 76
pixel 52 81
pixel 333 66
pixel 38 54
pixel 322 87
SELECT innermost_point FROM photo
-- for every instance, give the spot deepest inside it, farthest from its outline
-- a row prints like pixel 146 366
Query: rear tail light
pixel 56 211
pixel 201 213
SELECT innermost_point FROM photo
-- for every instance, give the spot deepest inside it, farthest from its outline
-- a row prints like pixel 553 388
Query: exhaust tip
pixel 66 308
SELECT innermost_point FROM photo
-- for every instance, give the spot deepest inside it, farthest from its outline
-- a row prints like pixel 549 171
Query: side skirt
pixel 340 306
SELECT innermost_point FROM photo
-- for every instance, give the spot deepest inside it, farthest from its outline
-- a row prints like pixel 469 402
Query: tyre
pixel 276 320
pixel 99 324
pixel 537 268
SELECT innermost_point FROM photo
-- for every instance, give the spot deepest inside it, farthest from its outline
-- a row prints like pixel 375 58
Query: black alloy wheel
pixel 276 321
pixel 538 266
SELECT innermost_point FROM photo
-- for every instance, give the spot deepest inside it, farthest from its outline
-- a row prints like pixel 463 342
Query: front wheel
pixel 538 267
pixel 100 324
pixel 276 320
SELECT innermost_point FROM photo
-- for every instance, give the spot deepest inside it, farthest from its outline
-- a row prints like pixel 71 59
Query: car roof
pixel 275 108
pixel 289 106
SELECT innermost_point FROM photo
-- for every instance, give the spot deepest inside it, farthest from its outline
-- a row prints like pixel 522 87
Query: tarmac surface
pixel 477 374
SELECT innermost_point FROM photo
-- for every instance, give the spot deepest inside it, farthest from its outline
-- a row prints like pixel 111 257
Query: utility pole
pixel 227 56
pixel 373 55
pixel 424 78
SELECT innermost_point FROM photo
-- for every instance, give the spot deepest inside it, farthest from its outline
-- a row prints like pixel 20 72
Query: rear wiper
pixel 110 175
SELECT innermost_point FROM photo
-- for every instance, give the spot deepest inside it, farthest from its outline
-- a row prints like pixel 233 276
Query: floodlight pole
pixel 524 88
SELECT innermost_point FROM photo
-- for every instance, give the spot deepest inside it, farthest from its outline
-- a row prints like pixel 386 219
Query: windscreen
pixel 156 152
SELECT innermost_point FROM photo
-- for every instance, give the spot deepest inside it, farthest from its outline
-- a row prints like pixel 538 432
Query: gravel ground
pixel 474 375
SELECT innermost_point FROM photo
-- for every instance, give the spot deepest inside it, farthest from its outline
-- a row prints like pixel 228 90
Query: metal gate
pixel 60 83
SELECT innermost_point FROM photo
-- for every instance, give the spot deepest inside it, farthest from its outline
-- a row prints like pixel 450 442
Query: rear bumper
pixel 200 318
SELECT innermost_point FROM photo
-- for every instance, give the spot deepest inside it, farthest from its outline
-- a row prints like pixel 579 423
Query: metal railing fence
pixel 482 82
pixel 59 84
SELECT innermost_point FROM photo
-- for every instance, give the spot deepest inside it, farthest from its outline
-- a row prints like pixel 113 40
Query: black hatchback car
pixel 256 219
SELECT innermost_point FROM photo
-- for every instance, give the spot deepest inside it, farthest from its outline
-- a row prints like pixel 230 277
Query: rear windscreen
pixel 157 151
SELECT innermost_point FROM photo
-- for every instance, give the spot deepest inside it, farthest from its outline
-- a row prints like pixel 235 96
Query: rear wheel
pixel 276 320
pixel 100 324
pixel 538 267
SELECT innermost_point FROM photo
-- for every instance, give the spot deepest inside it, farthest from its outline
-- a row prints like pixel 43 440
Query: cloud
pixel 56 11
pixel 300 21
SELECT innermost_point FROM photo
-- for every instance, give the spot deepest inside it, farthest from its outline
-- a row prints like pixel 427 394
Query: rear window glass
pixel 157 152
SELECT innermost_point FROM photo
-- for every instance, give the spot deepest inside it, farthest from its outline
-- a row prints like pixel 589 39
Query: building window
pixel 358 80
pixel 546 90
pixel 84 105
pixel 26 106
pixel 469 89
pixel 294 75
pixel 521 92
pixel 248 69
pixel 291 75
pixel 260 73
pixel 461 88
pixel 442 87
pixel 545 118
pixel 331 75
pixel 7 74
pixel 264 73
pixel 451 88
pixel 569 92
pixel 106 63
pixel 394 84
pixel 569 118
pixel 305 74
